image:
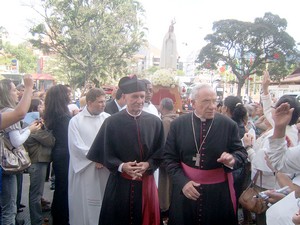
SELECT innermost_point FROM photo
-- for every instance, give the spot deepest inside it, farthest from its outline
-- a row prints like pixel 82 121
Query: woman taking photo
pixel 39 146
pixel 17 136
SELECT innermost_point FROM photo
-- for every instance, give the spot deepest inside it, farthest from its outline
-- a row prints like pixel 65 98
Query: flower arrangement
pixel 165 78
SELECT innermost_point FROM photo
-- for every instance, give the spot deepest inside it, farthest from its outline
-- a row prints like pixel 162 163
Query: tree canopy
pixel 27 60
pixel 95 38
pixel 249 48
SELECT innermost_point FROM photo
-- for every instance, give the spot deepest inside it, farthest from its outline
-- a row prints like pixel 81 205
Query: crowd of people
pixel 127 161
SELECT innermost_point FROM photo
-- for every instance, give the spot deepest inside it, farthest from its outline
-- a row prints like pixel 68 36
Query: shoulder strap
pixel 6 142
pixel 258 173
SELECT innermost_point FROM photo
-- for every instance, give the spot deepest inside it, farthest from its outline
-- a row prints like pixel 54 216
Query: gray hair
pixel 197 88
pixel 167 103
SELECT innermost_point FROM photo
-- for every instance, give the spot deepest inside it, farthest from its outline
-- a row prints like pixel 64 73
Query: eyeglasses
pixel 208 102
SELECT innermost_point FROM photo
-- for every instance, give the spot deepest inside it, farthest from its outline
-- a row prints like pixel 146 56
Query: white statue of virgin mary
pixel 168 58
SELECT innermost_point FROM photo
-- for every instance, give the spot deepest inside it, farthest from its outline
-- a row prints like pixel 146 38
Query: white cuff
pixel 120 168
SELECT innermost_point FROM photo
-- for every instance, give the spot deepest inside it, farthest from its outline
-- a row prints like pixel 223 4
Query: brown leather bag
pixel 250 199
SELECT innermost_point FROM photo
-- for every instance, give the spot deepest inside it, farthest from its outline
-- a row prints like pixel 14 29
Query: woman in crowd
pixel 11 117
pixel 234 108
pixel 256 155
pixel 17 136
pixel 57 117
pixel 39 146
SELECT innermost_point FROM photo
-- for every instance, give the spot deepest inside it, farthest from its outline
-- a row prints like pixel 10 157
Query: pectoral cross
pixel 197 159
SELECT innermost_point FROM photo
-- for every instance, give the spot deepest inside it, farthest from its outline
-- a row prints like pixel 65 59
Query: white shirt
pixel 267 107
pixel 257 156
pixel 119 107
pixel 150 108
pixel 86 182
pixel 284 159
pixel 73 109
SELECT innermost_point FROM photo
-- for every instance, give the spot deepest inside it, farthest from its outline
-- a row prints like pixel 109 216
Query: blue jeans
pixel 8 199
pixel 37 173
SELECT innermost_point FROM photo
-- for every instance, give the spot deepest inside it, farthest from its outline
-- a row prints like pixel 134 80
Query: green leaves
pixel 27 61
pixel 94 37
pixel 247 47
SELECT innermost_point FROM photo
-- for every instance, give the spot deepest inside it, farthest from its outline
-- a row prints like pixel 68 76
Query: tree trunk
pixel 240 85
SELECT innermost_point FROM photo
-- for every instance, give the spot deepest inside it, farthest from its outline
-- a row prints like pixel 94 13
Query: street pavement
pixel 48 195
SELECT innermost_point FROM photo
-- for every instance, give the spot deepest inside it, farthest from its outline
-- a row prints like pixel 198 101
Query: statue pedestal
pixel 160 92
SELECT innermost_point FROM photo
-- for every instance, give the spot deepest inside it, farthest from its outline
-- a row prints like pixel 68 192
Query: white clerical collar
pixel 201 118
pixel 132 114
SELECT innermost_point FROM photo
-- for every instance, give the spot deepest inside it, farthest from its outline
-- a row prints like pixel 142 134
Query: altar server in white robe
pixel 87 179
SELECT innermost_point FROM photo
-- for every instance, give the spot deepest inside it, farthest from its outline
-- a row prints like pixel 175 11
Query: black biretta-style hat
pixel 131 84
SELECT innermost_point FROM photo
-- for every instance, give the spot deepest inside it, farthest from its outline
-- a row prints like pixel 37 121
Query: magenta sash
pixel 150 201
pixel 211 177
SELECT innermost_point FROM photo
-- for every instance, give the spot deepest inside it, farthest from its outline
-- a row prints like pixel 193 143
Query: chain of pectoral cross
pixel 198 156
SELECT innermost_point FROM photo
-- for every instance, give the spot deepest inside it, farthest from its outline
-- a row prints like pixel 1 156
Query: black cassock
pixel 214 206
pixel 123 138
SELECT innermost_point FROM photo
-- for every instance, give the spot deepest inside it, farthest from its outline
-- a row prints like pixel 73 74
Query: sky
pixel 194 18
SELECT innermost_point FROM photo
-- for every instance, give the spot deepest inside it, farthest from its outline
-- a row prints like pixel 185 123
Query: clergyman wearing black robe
pixel 117 142
pixel 214 206
pixel 125 138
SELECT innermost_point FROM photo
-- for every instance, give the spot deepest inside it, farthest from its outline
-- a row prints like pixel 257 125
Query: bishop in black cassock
pixel 210 137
